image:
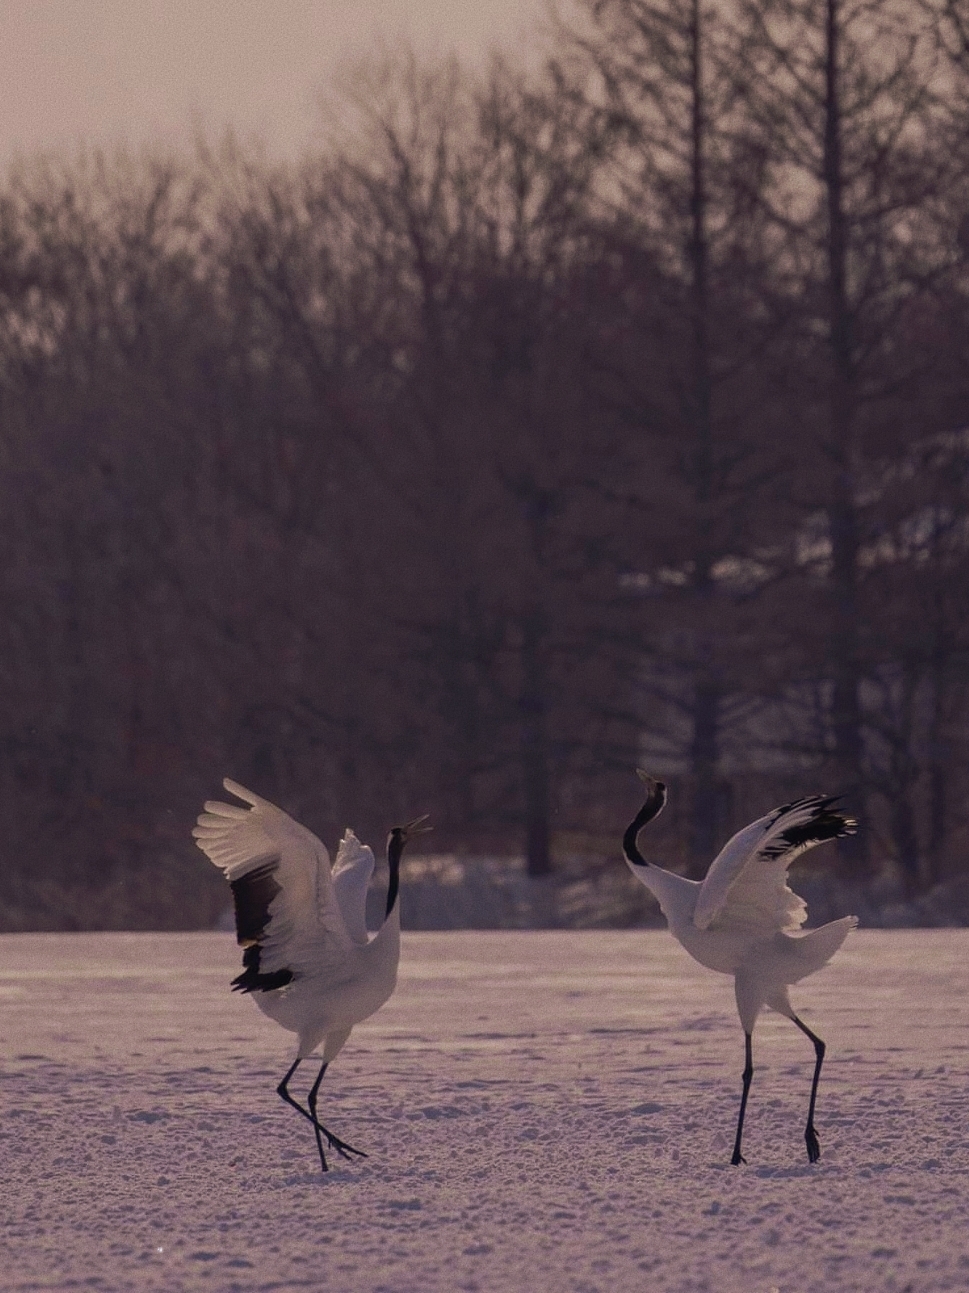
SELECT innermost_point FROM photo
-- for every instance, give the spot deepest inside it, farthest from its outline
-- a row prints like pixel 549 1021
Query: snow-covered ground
pixel 543 1111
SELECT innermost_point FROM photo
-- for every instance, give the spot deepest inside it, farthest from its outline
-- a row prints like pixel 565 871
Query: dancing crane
pixel 742 918
pixel 307 959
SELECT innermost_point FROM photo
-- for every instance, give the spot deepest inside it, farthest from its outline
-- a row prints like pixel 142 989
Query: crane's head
pixel 654 805
pixel 396 840
pixel 419 826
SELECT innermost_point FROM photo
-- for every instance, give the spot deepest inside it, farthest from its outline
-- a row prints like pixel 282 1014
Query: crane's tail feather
pixel 817 946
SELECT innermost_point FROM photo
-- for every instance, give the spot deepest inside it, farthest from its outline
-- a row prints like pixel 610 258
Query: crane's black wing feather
pixel 252 895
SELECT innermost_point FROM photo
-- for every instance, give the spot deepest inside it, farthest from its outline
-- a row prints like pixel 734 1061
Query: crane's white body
pixel 743 918
pixel 314 924
pixel 323 1005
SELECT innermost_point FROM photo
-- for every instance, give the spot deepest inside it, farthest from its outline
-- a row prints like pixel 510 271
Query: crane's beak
pixel 645 778
pixel 417 827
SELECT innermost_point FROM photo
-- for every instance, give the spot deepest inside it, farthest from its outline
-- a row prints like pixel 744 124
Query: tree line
pixel 536 426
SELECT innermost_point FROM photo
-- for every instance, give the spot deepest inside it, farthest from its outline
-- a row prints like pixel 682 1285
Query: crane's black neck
pixel 395 848
pixel 654 804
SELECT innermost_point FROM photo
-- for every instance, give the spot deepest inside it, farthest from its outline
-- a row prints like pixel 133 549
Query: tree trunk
pixel 937 761
pixel 704 759
pixel 534 749
pixel 906 841
pixel 846 716
pixel 707 693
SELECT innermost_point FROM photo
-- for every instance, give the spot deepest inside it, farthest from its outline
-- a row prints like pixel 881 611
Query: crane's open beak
pixel 655 793
pixel 417 827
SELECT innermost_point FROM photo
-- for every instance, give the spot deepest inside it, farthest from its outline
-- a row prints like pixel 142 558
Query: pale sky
pixel 96 71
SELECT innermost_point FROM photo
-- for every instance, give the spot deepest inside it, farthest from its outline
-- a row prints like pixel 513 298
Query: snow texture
pixel 543 1111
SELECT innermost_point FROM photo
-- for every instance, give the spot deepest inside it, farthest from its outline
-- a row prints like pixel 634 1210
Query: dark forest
pixel 538 426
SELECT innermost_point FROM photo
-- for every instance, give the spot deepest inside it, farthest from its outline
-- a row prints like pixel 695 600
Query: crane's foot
pixel 737 1158
pixel 335 1143
pixel 341 1147
pixel 811 1140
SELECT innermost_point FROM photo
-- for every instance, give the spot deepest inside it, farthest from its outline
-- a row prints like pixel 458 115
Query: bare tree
pixel 843 97
pixel 658 79
pixel 482 189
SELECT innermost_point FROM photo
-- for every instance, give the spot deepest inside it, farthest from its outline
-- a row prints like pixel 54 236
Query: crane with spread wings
pixel 307 959
pixel 742 919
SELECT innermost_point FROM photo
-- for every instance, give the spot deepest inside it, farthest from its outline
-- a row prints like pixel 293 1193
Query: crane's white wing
pixel 746 887
pixel 287 915
pixel 352 870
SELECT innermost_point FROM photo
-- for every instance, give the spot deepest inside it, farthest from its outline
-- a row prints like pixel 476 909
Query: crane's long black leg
pixel 748 1074
pixel 283 1091
pixel 341 1147
pixel 810 1135
pixel 317 1129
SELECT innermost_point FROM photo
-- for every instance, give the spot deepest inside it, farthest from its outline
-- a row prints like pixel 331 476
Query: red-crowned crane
pixel 307 960
pixel 742 919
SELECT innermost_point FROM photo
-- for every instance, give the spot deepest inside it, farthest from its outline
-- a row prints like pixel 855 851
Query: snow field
pixel 543 1111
